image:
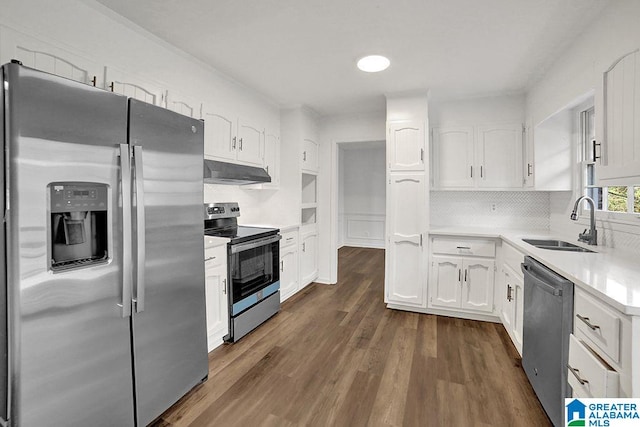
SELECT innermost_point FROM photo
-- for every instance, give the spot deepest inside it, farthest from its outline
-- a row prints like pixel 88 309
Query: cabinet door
pixel 406 146
pixel 406 267
pixel 477 284
pixel 288 272
pixel 133 86
pixel 453 157
pixel 216 300
pixel 308 259
pixel 45 57
pixel 507 299
pixel 272 157
pixel 309 155
pixel 219 135
pixel 518 311
pixel 444 282
pixel 182 104
pixel 249 148
pixel 528 157
pixel 619 130
pixel 499 156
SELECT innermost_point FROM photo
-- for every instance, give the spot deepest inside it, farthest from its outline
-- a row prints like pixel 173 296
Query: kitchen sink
pixel 556 245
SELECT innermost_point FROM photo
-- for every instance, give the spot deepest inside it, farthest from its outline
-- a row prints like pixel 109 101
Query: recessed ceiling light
pixel 373 63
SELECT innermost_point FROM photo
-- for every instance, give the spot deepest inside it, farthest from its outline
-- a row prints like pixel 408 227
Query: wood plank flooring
pixel 335 356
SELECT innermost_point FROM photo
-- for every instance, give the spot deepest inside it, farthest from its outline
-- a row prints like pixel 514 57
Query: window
pixel 623 199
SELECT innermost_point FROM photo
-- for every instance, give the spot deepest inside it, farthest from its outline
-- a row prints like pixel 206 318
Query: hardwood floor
pixel 335 356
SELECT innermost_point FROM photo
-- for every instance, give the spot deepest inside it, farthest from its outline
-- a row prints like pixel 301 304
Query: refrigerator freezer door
pixel 66 331
pixel 169 335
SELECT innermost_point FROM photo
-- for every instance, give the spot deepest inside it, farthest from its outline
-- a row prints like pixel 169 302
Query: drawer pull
pixel 463 247
pixel 209 259
pixel 576 373
pixel 587 322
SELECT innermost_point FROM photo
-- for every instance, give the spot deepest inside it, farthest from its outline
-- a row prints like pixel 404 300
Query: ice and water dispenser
pixel 78 224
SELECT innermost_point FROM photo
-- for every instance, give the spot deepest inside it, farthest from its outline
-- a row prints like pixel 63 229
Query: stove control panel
pixel 221 210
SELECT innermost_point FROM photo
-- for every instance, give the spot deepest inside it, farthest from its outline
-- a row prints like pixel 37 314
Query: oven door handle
pixel 254 243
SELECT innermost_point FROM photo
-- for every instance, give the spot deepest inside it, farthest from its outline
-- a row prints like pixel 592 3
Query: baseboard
pixel 447 313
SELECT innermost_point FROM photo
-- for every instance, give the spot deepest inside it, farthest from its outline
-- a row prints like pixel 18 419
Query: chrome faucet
pixel 592 236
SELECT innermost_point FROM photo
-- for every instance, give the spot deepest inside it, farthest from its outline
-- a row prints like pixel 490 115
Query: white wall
pixel 333 130
pixel 474 111
pixel 362 194
pixel 577 72
pixel 88 30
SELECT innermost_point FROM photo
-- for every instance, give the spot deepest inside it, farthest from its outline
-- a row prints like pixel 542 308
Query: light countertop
pixel 609 274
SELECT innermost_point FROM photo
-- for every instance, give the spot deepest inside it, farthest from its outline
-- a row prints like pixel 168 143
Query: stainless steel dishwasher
pixel 548 321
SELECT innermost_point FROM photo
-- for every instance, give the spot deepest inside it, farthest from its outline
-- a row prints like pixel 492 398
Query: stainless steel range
pixel 253 255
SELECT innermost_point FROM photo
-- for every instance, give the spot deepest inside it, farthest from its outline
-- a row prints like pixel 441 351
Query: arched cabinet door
pixel 617 149
pixel 406 145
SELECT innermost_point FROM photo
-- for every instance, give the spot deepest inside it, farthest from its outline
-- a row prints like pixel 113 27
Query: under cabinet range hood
pixel 216 172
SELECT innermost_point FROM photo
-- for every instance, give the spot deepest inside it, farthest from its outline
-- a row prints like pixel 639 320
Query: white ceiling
pixel 303 52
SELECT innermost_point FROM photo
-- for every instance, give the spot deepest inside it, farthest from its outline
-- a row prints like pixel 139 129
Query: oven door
pixel 253 271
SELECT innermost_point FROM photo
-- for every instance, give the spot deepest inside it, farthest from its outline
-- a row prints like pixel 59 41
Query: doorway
pixel 360 196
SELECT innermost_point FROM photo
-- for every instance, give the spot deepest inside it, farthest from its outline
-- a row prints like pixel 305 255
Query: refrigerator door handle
pixel 140 227
pixel 125 183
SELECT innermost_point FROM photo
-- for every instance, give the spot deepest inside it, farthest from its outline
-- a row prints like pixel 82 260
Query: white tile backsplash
pixel 513 209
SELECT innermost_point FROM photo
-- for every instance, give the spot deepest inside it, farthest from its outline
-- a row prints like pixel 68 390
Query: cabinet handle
pixel 459 275
pixel 509 298
pixel 422 155
pixel 471 171
pixel 529 170
pixel 281 265
pixel 111 86
pixel 576 373
pixel 209 259
pixel 224 286
pixel 304 156
pixel 288 239
pixel 595 144
pixel 304 246
pixel 421 240
pixel 465 275
pixel 94 80
pixel 586 320
pixel 233 143
pixel 463 247
pixel 240 144
pixel 480 171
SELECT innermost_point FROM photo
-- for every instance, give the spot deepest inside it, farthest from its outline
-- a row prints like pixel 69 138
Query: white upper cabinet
pixel 406 144
pixel 272 157
pixel 485 156
pixel 453 157
pixel 133 86
pixel 45 57
pixel 249 147
pixel 219 135
pixel 499 156
pixel 182 104
pixel 405 281
pixel 309 156
pixel 618 127
pixel 231 139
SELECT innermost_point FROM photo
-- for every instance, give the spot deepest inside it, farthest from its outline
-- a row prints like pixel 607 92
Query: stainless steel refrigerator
pixel 103 303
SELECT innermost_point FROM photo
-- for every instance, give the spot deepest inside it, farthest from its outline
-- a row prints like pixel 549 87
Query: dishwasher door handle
pixel 539 282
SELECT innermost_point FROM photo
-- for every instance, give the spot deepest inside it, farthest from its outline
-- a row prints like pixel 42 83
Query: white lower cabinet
pixel 462 274
pixel 462 283
pixel 288 264
pixel 588 376
pixel 512 306
pixel 308 257
pixel 216 295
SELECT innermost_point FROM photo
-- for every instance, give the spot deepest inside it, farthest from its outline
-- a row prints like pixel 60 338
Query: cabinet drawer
pixel 289 238
pixel 464 246
pixel 588 375
pixel 599 324
pixel 215 256
pixel 512 257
